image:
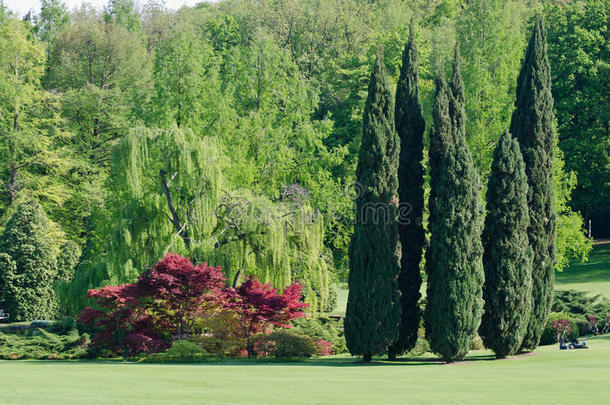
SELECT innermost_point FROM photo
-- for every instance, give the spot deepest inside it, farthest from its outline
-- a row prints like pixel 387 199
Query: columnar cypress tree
pixel 410 126
pixel 28 265
pixel 373 308
pixel 454 258
pixel 507 256
pixel 457 100
pixel 532 125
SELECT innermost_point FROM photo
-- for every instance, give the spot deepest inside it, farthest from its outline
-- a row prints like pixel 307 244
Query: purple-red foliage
pixel 325 348
pixel 176 291
pixel 167 300
pixel 562 327
pixel 259 305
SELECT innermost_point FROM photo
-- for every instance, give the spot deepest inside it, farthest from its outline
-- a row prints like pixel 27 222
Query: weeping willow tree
pixel 166 194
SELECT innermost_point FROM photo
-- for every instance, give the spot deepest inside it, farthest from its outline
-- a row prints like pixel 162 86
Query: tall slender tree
pixel 532 125
pixel 507 256
pixel 410 127
pixel 454 258
pixel 373 307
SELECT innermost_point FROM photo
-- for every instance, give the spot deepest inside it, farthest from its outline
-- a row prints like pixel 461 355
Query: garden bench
pixel 3 316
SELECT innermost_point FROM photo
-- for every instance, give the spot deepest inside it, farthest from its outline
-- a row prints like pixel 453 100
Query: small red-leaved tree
pixel 260 305
pixel 123 326
pixel 160 307
pixel 562 327
pixel 177 292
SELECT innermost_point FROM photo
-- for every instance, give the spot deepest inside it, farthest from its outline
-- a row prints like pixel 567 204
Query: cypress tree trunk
pixel 532 125
pixel 373 308
pixel 507 256
pixel 454 258
pixel 410 127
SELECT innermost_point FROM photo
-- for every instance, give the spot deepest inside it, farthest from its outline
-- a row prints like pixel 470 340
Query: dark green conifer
pixel 457 100
pixel 373 307
pixel 507 256
pixel 28 265
pixel 454 257
pixel 410 127
pixel 532 126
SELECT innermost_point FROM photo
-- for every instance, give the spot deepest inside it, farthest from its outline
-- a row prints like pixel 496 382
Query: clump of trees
pixel 232 132
pixel 502 277
pixel 175 300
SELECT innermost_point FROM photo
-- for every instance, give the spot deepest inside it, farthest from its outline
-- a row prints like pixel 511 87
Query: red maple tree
pixel 259 306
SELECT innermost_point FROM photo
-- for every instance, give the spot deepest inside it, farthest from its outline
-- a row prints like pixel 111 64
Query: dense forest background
pixel 229 132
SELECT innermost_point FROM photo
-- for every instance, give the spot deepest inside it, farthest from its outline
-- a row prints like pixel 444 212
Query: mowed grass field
pixel 547 376
pixel 593 276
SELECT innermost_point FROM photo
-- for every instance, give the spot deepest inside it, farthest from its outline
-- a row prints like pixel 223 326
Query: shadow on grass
pixel 317 362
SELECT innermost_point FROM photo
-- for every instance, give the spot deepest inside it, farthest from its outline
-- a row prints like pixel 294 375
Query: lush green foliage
pixel 42 345
pixel 507 256
pixel 454 259
pixel 230 131
pixel 373 307
pixel 410 127
pixel 580 59
pixel 532 125
pixel 28 265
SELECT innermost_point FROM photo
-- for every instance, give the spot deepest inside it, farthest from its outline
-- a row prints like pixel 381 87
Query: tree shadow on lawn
pixel 597 269
pixel 317 362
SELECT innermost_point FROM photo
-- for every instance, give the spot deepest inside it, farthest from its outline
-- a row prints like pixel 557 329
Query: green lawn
pixel 593 276
pixel 546 376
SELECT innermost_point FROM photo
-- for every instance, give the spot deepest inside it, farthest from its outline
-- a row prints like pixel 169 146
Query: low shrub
pixel 580 306
pixel 285 343
pixel 477 343
pixel 186 350
pixel 43 345
pixel 322 327
pixel 549 335
pixel 62 326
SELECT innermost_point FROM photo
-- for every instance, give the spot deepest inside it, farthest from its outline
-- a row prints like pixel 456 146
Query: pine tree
pixel 532 126
pixel 28 265
pixel 373 307
pixel 507 256
pixel 454 258
pixel 410 127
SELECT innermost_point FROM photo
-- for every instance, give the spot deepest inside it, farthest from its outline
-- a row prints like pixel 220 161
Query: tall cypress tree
pixel 507 256
pixel 28 266
pixel 373 307
pixel 410 127
pixel 454 258
pixel 457 99
pixel 532 125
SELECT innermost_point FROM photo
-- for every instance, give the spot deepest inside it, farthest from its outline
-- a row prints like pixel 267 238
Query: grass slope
pixel 593 276
pixel 547 376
